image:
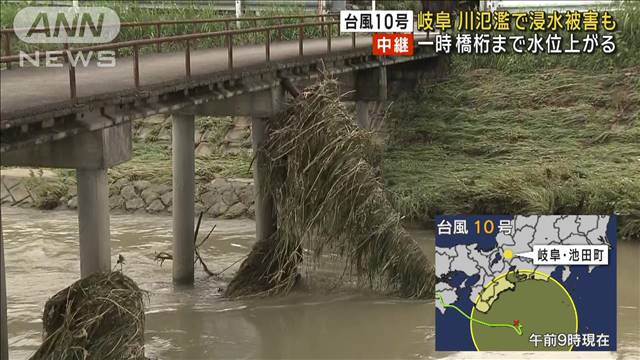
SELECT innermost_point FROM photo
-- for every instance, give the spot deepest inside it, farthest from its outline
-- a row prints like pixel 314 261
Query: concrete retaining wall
pixel 223 198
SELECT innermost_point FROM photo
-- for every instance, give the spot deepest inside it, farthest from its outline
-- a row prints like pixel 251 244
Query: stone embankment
pixel 224 198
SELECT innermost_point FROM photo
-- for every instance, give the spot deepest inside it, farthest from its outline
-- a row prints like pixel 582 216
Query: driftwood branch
pixel 195 238
pixel 162 256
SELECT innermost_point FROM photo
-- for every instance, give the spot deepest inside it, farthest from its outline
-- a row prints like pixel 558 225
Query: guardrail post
pixel 72 73
pixel 267 48
pixel 7 47
pixel 187 59
pixel 158 48
pixel 255 25
pixel 226 28
pixel 116 51
pixel 329 38
pixel 230 51
pixel 301 42
pixel 136 66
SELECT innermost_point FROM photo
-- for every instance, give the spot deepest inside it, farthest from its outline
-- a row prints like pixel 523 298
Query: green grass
pixel 627 53
pixel 152 157
pixel 552 142
pixel 153 162
pixel 525 134
pixel 46 192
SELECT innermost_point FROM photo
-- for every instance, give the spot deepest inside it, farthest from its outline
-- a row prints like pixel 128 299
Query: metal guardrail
pixel 7 33
pixel 187 39
pixel 200 21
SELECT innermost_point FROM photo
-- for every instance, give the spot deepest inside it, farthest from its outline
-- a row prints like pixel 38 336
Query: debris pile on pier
pixel 329 198
pixel 98 317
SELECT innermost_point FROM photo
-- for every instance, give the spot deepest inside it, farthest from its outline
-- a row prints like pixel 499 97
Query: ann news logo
pixel 66 25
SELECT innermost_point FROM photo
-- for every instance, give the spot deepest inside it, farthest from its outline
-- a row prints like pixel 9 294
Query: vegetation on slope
pixel 505 134
pixel 557 141
pixel 525 134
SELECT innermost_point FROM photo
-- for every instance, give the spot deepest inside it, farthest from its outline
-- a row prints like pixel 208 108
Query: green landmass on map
pixel 538 303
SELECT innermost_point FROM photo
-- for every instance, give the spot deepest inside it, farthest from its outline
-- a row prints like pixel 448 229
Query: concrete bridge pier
pixel 93 220
pixel 265 215
pixel 362 114
pixel 260 106
pixel 91 153
pixel 183 155
pixel 370 86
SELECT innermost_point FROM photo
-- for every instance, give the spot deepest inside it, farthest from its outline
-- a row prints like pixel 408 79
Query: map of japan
pixel 539 282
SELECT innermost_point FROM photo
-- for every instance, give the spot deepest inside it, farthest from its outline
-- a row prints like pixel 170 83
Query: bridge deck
pixel 39 88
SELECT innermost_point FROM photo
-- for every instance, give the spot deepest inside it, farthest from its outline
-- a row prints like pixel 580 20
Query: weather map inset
pixel 525 283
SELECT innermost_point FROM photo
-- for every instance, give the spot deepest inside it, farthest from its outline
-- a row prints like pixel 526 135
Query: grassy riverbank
pixel 557 141
pixel 152 152
pixel 525 134
pixel 505 134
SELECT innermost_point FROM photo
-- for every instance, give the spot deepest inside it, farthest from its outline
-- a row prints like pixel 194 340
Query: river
pixel 41 254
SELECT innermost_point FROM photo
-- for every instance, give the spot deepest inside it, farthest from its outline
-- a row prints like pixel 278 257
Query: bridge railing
pixel 187 39
pixel 7 34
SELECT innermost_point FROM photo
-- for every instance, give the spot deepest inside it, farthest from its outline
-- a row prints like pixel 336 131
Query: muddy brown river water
pixel 41 253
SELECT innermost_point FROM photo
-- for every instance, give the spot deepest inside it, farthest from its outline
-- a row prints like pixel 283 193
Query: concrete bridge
pixel 80 117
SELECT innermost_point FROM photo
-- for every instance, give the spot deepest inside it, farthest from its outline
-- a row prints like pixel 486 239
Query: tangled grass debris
pixel 99 317
pixel 329 198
